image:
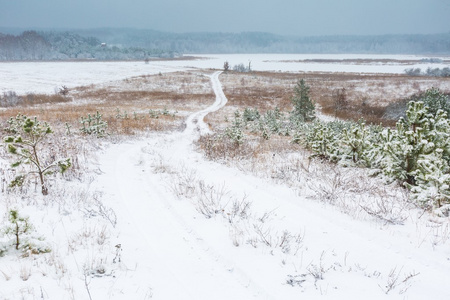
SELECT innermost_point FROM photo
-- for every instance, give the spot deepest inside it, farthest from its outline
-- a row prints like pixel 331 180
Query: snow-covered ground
pixel 182 254
pixel 296 63
pixel 186 232
pixel 45 77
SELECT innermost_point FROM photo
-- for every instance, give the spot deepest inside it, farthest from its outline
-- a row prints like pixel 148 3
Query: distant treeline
pixel 260 42
pixel 433 72
pixel 127 44
pixel 32 45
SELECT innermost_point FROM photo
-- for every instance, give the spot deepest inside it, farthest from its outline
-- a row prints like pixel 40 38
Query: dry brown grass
pixel 31 99
pixel 219 147
pixel 124 104
pixel 368 94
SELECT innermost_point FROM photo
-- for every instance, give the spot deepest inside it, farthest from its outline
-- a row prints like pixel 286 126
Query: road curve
pixel 195 123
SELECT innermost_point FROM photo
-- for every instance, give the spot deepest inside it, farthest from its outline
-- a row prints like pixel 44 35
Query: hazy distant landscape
pixel 134 44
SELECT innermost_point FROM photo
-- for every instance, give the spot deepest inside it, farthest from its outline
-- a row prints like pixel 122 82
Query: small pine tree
pixel 25 140
pixel 96 125
pixel 397 151
pixel 21 231
pixel 304 106
pixel 355 141
pixel 19 226
pixel 323 141
pixel 433 181
pixel 235 132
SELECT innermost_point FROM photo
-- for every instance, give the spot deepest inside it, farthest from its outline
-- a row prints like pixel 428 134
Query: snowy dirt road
pixel 173 259
pixel 171 251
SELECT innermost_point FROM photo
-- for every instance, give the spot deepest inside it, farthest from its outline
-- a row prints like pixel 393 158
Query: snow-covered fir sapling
pixel 18 227
pixel 26 141
pixel 235 132
pixel 20 230
pixel 432 176
pixel 94 125
pixel 355 141
pixel 323 139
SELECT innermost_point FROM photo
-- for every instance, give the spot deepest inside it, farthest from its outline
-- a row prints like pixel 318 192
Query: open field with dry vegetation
pixel 366 96
pixel 161 102
pixel 130 106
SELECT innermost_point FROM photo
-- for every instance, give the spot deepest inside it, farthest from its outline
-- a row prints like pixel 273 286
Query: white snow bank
pixel 45 77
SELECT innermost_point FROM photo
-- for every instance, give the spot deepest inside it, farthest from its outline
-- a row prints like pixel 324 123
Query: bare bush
pixel 185 183
pixel 387 210
pixel 394 280
pixel 97 208
pixel 209 201
pixel 330 183
pixel 240 209
pixel 218 146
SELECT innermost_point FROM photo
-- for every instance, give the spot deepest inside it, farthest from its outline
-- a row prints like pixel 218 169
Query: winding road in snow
pixel 174 260
pixel 174 252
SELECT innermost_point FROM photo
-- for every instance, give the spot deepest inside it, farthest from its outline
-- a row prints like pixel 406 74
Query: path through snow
pixel 173 252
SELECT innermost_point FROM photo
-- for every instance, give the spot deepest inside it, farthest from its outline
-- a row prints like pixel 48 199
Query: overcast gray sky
pixel 288 17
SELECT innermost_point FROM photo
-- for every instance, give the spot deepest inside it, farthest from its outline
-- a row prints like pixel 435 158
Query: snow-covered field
pixel 152 218
pixel 45 77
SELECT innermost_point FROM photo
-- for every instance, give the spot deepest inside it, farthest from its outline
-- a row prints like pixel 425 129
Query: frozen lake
pixel 45 77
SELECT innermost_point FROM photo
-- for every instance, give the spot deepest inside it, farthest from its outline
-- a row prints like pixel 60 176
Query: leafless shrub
pixel 209 201
pixel 226 66
pixel 218 146
pixel 9 99
pixel 239 209
pixel 318 270
pixel 387 210
pixel 286 241
pixel 185 183
pixel 394 281
pixel 289 170
pixel 97 208
pixel 263 234
pixel 330 184
pixel 266 216
pixel 64 90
